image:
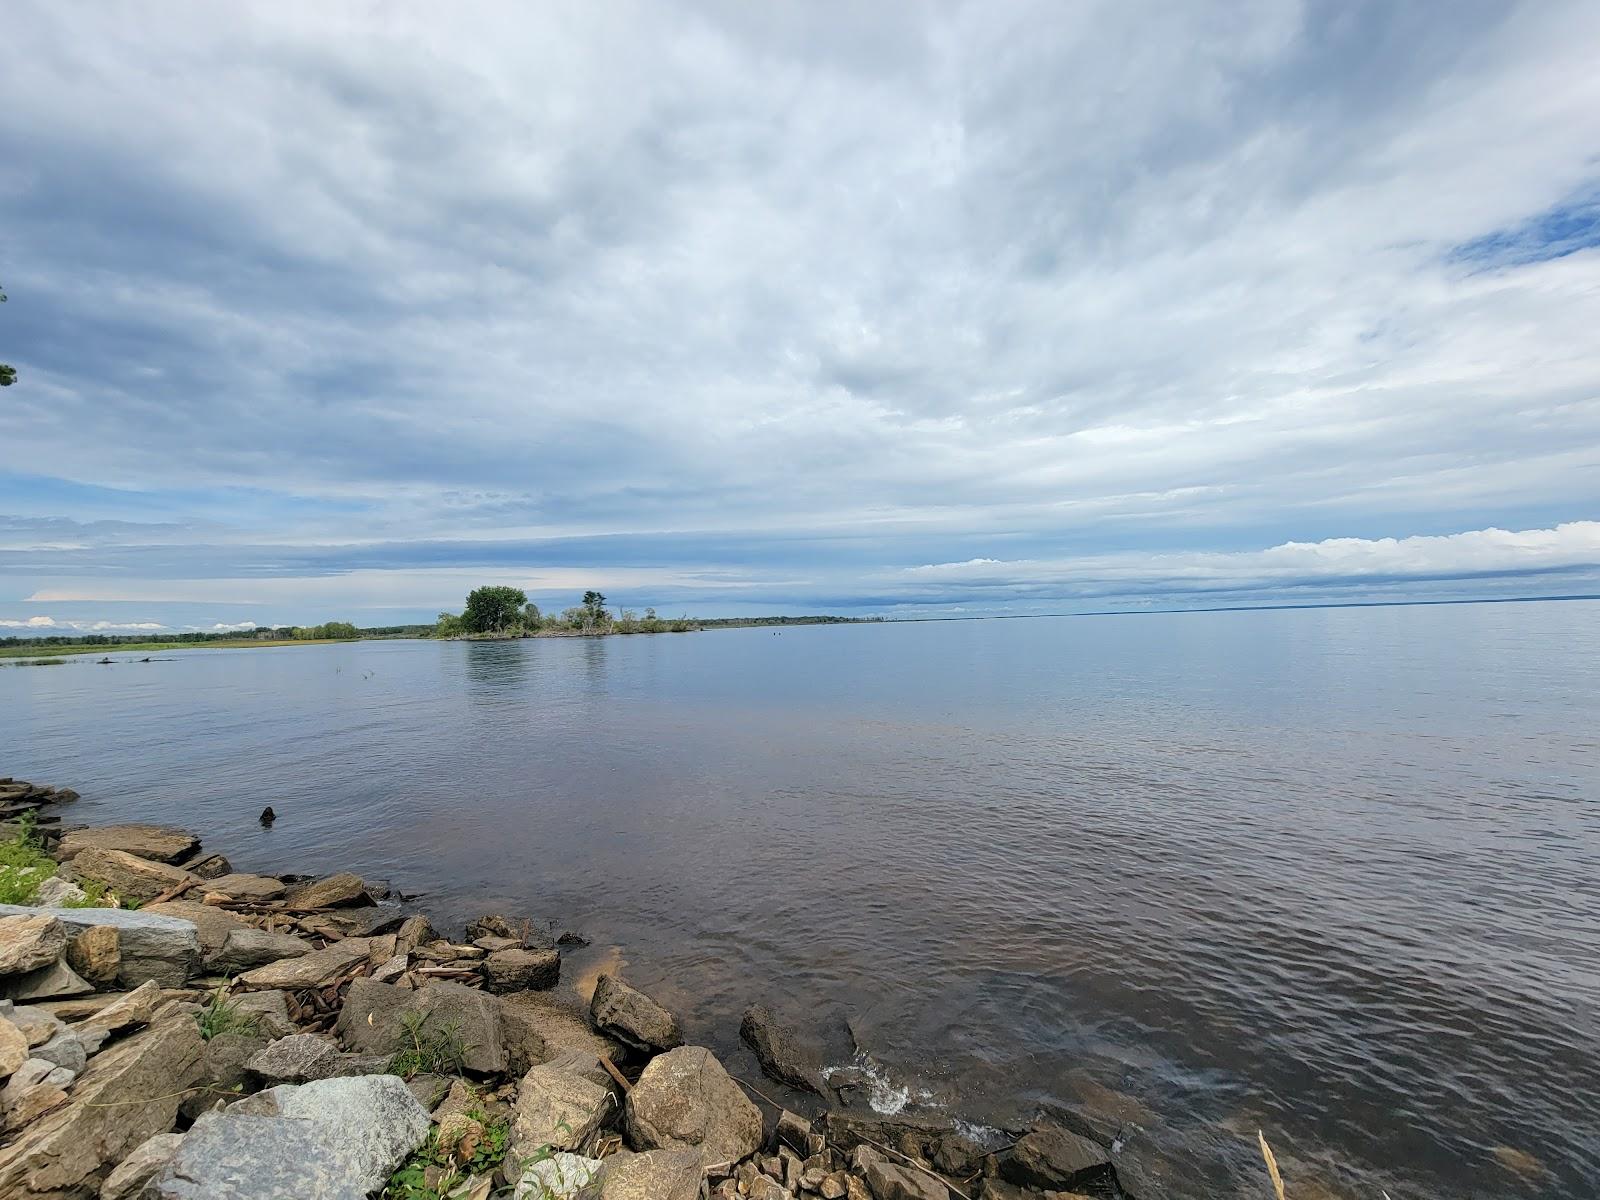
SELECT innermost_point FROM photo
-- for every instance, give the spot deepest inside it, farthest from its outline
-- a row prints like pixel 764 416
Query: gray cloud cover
pixel 328 310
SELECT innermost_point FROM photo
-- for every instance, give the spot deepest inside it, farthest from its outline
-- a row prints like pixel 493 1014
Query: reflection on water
pixel 1326 873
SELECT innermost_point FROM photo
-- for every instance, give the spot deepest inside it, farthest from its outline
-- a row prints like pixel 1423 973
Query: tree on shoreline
pixel 8 373
pixel 494 609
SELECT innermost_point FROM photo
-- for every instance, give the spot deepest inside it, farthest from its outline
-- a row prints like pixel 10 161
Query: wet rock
pixel 654 1175
pixel 685 1100
pixel 207 866
pixel 336 1139
pixel 315 970
pixel 248 887
pixel 784 1053
pixel 558 1109
pixel 248 947
pixel 127 1181
pixel 517 970
pixel 1053 1158
pixel 1148 1168
pixel 128 1092
pixel 955 1154
pixel 632 1017
pixel 46 983
pixel 372 1020
pixel 891 1181
pixel 158 843
pixel 127 875
pixel 153 944
pixel 96 955
pixel 336 891
pixel 560 1177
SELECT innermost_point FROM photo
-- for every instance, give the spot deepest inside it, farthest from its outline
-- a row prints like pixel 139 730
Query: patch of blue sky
pixel 1565 228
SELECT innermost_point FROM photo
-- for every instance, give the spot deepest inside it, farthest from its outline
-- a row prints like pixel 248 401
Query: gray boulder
pixel 685 1100
pixel 270 1010
pixel 298 1058
pixel 248 947
pixel 336 1139
pixel 373 1016
pixel 56 891
pixel 30 942
pixel 557 1110
pixel 653 1175
pixel 630 1016
pixel 150 945
pixel 783 1053
pixel 516 969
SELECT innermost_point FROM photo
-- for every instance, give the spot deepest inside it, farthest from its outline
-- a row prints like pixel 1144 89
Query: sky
pixel 337 310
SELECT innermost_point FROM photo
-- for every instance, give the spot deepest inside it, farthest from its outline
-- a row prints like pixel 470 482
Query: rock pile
pixel 241 1037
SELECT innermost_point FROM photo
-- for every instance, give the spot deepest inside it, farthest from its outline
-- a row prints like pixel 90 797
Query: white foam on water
pixel 885 1097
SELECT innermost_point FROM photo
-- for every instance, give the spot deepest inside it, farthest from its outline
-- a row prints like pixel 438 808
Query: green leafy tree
pixel 594 609
pixel 530 616
pixel 493 609
pixel 8 373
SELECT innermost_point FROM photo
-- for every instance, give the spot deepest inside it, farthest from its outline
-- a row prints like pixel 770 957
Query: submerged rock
pixel 629 1015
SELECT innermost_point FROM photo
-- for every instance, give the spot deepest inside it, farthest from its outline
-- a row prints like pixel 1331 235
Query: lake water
pixel 1329 873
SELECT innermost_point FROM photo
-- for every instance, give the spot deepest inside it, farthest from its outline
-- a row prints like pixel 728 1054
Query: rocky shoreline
pixel 221 1036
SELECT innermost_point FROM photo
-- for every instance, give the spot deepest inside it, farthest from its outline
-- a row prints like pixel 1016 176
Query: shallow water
pixel 1330 873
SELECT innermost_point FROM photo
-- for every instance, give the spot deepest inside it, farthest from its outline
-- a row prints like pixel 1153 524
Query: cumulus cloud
pixel 783 293
pixel 48 625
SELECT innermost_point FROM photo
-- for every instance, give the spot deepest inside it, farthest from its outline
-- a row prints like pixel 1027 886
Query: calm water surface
pixel 1329 873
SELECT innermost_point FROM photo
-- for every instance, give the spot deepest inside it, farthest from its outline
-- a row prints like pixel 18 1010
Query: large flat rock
pixel 373 1020
pixel 128 875
pixel 151 945
pixel 336 1139
pixel 317 969
pixel 159 843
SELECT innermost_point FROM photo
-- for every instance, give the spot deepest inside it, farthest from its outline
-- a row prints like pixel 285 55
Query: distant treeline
pixel 332 631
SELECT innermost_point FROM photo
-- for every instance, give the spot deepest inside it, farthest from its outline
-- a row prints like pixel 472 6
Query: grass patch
pixel 23 865
pixel 450 1166
pixel 424 1051
pixel 223 1015
pixel 40 662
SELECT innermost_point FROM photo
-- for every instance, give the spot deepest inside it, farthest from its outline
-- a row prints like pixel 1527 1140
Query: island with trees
pixel 498 611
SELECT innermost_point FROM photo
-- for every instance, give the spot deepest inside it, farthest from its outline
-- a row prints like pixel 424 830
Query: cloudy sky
pixel 335 310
